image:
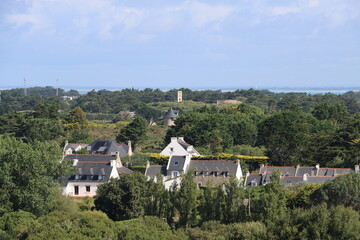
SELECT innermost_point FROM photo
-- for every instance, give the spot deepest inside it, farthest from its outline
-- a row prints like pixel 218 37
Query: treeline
pixel 328 135
pixel 104 101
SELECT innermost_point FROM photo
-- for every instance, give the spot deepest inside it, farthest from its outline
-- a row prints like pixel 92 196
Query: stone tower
pixel 179 96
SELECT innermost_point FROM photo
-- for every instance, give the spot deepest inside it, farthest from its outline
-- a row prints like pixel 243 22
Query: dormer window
pixel 226 174
pixel 101 177
pixel 77 177
pixel 253 183
pixel 204 173
pixel 175 174
pixel 215 174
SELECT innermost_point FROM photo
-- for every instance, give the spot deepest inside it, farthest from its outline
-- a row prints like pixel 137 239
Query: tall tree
pixel 186 200
pixel 234 197
pixel 122 198
pixel 133 132
pixel 27 175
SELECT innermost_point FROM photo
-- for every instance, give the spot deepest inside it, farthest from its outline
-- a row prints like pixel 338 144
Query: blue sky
pixel 169 44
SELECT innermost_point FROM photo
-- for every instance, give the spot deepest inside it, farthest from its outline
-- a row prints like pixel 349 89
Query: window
pixel 226 174
pixel 215 174
pixel 253 183
pixel 176 163
pixel 199 185
pixel 204 173
pixel 101 177
pixel 175 174
pixel 87 188
pixel 171 149
pixel 76 190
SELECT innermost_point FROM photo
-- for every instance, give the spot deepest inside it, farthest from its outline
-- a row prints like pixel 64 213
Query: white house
pixel 91 171
pixel 179 147
pixel 207 172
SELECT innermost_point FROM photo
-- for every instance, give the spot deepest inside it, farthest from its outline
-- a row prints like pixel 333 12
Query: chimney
pixel 147 164
pixel 181 138
pixel 247 173
pixel 118 160
pixel 262 169
pixel 174 139
pixel 113 163
pixel 317 169
pixel 130 152
pixel 357 169
pixel 305 177
pixel 297 169
pixel 75 162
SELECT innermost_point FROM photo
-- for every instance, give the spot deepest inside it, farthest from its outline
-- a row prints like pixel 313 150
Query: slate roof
pixel 123 149
pixel 155 170
pixel 170 114
pixel 124 170
pixel 104 147
pixel 176 163
pixel 91 157
pixel 258 178
pixel 288 181
pixel 214 166
pixel 183 143
pixel 90 172
pixel 73 146
pixel 284 170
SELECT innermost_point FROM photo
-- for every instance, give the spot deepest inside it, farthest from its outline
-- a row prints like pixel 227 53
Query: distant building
pixel 221 102
pixel 179 96
pixel 178 146
pixel 170 116
pixel 109 147
pixel 91 171
pixel 72 148
pixel 294 175
pixel 207 172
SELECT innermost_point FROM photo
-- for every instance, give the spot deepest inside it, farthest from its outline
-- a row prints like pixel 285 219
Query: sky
pixel 166 44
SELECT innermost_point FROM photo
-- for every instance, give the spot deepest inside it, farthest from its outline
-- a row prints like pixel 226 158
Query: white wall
pixel 70 190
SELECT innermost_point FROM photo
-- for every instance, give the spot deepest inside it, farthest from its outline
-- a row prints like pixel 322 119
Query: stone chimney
pixel 174 139
pixel 357 169
pixel 297 169
pixel 75 162
pixel 118 160
pixel 317 169
pixel 181 138
pixel 262 169
pixel 130 152
pixel 305 177
pixel 113 163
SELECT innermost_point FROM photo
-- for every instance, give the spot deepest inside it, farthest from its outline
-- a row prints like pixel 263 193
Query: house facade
pixel 90 172
pixel 207 172
pixel 179 147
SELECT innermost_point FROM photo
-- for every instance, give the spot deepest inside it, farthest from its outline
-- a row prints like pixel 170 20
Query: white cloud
pixel 203 14
pixel 278 11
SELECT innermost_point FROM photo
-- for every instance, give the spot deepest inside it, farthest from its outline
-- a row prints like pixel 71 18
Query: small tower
pixel 169 118
pixel 179 96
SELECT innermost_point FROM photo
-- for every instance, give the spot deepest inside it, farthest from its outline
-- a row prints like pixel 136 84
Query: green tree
pixel 77 125
pixel 122 198
pixel 133 132
pixel 186 203
pixel 234 197
pixel 28 174
pixel 343 190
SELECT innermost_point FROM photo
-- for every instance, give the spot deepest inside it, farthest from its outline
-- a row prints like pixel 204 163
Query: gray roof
pixel 104 147
pixel 257 178
pixel 214 166
pixel 170 114
pixel 176 163
pixel 288 181
pixel 311 171
pixel 124 170
pixel 91 157
pixel 155 170
pixel 75 145
pixel 123 149
pixel 183 143
pixel 90 172
pixel 284 170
